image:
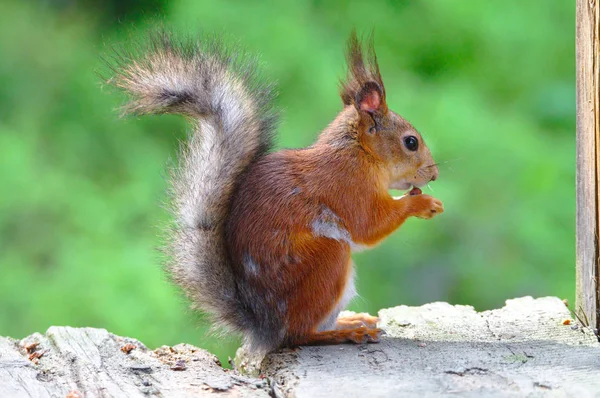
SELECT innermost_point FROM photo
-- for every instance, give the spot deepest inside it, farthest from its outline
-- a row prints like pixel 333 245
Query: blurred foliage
pixel 489 84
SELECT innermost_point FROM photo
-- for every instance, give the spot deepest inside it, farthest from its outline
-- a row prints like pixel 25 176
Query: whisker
pixel 452 160
pixel 429 186
pixel 444 162
pixel 441 164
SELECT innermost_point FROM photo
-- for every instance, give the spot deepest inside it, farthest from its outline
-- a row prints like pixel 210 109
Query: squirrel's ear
pixel 369 98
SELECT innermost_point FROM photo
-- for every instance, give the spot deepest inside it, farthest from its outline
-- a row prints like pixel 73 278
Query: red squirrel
pixel 262 240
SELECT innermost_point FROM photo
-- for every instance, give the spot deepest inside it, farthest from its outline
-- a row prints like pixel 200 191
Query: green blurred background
pixel 491 86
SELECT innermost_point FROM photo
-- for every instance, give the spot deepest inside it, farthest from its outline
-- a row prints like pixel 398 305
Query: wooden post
pixel 588 161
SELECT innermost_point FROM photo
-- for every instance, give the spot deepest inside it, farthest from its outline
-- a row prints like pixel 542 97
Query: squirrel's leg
pixel 320 295
pixel 319 287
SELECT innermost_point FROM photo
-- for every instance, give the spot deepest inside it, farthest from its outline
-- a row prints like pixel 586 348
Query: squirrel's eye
pixel 411 143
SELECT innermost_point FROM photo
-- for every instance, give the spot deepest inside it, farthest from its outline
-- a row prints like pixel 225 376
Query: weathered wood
pixel 90 363
pixel 523 349
pixel 588 161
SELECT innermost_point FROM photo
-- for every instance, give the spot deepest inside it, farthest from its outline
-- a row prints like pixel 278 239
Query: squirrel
pixel 262 239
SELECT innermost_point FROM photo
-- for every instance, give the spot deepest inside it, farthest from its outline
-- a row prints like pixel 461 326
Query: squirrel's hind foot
pixel 358 335
pixel 356 321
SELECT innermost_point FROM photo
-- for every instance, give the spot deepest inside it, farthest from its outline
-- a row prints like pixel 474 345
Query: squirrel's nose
pixel 435 174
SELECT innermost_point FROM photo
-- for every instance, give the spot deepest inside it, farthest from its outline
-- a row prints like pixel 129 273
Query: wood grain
pixel 588 161
pixel 530 347
pixel 87 362
pixel 526 349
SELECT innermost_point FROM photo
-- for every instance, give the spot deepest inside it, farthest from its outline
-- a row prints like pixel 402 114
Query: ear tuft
pixel 363 86
pixel 368 99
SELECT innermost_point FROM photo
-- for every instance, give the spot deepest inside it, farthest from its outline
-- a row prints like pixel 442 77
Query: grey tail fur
pixel 233 120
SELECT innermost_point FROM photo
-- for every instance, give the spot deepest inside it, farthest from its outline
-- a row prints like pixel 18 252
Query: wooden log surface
pixel 87 362
pixel 588 161
pixel 528 348
pixel 440 350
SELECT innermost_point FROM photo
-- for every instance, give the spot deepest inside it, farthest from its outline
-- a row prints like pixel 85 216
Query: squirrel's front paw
pixel 425 206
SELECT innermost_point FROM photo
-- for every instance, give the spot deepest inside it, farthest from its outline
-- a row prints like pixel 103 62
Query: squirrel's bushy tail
pixel 233 120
